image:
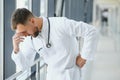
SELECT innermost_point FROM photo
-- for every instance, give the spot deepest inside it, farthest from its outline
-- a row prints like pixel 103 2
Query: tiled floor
pixel 106 65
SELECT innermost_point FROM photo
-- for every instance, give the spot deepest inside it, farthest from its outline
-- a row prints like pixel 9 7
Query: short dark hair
pixel 20 16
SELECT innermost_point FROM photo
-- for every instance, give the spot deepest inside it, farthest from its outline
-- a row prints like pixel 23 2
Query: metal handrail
pixel 38 66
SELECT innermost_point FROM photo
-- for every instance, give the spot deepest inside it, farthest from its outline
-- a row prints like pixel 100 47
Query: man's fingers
pixel 82 64
pixel 18 35
pixel 80 61
pixel 18 38
pixel 18 41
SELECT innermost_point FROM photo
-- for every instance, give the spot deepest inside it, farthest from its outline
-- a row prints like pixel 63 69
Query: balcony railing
pixel 40 66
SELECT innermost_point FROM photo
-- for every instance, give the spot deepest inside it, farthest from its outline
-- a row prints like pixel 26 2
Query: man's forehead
pixel 20 28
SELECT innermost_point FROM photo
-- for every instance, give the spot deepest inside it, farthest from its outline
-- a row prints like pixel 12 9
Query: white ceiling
pixel 108 3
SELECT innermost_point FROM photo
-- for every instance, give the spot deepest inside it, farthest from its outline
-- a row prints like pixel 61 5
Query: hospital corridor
pixel 104 61
pixel 106 64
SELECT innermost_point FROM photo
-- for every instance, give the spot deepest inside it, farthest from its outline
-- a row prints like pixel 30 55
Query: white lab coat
pixel 61 57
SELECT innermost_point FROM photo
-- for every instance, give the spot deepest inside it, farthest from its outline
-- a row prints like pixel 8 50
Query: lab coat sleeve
pixel 86 31
pixel 25 57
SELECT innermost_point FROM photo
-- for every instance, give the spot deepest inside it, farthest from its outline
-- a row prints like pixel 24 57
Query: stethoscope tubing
pixel 48 45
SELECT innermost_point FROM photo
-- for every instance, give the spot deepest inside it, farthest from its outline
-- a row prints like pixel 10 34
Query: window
pixel 1 40
pixel 43 8
pixel 23 4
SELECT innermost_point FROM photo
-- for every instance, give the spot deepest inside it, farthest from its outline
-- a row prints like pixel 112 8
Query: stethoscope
pixel 48 45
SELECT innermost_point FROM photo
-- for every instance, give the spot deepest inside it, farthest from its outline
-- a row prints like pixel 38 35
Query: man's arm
pixel 17 38
pixel 23 55
pixel 89 33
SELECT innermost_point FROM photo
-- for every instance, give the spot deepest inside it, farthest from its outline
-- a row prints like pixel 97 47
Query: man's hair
pixel 20 16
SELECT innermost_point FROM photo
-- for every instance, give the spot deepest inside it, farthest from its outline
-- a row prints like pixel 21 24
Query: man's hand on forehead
pixel 17 38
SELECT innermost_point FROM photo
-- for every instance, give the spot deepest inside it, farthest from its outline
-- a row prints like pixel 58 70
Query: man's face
pixel 30 29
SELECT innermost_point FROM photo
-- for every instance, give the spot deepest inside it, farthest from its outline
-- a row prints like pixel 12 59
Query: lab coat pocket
pixel 70 72
pixel 73 73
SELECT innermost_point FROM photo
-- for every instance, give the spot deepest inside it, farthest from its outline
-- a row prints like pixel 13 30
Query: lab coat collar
pixel 44 30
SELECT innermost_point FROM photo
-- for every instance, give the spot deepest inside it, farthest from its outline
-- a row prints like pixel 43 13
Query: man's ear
pixel 32 20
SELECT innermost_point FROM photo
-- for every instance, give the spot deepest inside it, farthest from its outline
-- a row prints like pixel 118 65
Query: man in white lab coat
pixel 63 57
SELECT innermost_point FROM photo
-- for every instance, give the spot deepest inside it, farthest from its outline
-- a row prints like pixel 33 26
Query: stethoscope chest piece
pixel 48 45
